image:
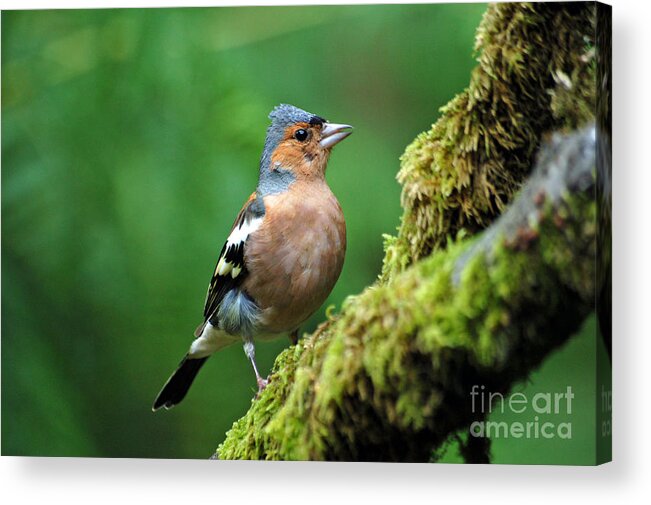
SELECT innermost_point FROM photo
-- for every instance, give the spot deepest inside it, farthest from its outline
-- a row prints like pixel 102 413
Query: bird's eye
pixel 300 135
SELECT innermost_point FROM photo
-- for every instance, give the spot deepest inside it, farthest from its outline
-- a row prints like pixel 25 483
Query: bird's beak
pixel 333 133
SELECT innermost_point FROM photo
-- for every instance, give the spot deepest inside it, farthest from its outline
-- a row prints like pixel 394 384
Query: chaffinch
pixel 284 253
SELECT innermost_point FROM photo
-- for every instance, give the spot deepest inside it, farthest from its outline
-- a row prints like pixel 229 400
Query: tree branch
pixel 535 74
pixel 390 378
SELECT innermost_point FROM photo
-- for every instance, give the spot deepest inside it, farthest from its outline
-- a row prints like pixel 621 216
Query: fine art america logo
pixel 540 404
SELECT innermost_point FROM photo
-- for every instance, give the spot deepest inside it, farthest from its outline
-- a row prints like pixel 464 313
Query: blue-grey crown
pixel 284 115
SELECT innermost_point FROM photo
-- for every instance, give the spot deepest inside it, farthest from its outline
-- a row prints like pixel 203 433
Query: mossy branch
pixel 535 74
pixel 389 377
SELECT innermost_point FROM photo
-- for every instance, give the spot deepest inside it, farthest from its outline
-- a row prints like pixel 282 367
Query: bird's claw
pixel 262 384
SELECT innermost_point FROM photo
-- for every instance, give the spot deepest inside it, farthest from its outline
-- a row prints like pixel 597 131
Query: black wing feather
pixel 234 254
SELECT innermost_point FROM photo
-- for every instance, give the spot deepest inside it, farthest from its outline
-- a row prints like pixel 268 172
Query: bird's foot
pixel 262 384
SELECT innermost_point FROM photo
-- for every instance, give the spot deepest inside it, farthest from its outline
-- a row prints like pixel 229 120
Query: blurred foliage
pixel 130 139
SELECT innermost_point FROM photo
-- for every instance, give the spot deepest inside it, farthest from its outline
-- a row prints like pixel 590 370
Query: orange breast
pixel 296 257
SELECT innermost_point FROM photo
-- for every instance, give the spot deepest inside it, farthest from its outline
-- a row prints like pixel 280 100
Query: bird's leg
pixel 249 350
pixel 293 337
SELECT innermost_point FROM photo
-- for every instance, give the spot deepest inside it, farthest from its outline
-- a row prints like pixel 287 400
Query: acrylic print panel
pixel 131 140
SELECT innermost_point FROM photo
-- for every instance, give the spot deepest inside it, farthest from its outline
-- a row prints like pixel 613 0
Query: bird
pixel 284 253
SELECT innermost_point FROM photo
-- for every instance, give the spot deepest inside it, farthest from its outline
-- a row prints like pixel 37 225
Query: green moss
pixel 386 378
pixel 396 365
pixel 536 71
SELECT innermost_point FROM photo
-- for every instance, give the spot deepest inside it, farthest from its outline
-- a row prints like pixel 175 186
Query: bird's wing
pixel 231 270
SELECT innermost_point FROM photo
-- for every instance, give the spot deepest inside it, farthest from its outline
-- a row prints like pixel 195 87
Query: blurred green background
pixel 130 139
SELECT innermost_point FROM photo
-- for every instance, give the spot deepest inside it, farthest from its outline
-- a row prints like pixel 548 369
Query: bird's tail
pixel 178 384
